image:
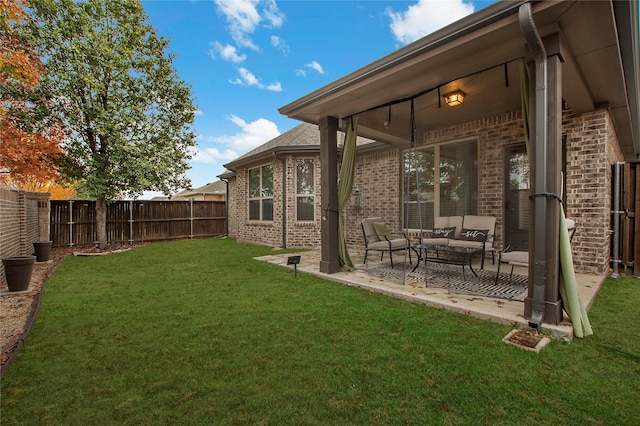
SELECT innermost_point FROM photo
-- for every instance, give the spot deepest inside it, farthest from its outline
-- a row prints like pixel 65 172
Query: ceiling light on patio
pixel 454 98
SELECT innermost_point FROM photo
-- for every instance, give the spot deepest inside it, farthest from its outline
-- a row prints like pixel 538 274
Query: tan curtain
pixel 571 299
pixel 345 186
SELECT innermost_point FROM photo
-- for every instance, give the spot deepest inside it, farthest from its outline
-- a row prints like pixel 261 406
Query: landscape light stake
pixel 294 260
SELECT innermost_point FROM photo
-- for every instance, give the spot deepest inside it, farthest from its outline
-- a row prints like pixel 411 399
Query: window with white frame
pixel 305 190
pixel 261 193
pixel 441 180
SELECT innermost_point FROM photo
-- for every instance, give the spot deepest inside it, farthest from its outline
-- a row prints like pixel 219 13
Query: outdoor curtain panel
pixel 571 299
pixel 345 185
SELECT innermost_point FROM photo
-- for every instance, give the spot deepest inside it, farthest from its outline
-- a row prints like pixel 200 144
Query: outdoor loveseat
pixel 464 231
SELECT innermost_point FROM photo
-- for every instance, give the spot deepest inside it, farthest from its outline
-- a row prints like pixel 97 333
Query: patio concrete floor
pixel 487 308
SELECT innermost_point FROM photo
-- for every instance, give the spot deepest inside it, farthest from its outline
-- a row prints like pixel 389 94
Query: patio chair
pixel 378 238
pixel 521 258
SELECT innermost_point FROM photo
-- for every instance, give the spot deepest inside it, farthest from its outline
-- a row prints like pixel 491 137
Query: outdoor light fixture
pixel 294 260
pixel 454 98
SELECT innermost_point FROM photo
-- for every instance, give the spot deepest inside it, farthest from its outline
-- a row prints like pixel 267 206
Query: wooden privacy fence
pixel 629 215
pixel 73 222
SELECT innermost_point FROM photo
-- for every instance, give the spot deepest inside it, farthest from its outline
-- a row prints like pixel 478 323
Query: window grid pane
pixel 267 181
pixel 458 179
pixel 305 209
pixel 304 174
pixel 254 183
pixel 457 183
pixel 261 193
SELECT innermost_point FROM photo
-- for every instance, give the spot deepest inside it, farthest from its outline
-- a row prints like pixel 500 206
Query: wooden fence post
pixel 70 223
pixel 130 222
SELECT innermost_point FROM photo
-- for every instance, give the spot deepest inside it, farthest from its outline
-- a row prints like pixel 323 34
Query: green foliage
pixel 198 332
pixel 128 113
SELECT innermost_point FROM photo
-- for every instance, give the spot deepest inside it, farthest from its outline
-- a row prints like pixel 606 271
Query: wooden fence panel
pixel 73 222
pixel 59 223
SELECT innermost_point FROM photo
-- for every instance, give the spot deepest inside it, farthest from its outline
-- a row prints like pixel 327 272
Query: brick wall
pixel 24 218
pixel 258 232
pixel 378 175
pixel 298 234
pixel 591 149
pixel 302 234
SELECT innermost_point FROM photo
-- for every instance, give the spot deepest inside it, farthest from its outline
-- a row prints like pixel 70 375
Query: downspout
pixel 226 206
pixel 617 172
pixel 284 198
pixel 530 32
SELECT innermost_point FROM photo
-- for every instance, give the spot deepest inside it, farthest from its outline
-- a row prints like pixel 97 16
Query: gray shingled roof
pixel 217 187
pixel 304 137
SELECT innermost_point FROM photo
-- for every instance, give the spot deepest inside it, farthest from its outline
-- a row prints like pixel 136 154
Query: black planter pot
pixel 42 250
pixel 17 270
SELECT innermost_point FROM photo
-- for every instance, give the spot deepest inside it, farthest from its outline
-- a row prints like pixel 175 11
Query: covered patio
pixel 531 63
pixel 509 312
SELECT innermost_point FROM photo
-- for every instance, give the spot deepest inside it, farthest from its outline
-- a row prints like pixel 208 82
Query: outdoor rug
pixel 450 277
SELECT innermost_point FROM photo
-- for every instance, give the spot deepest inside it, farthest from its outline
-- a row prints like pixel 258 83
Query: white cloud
pixel 301 73
pixel 274 87
pixel 272 14
pixel 244 16
pixel 247 78
pixel 316 66
pixel 280 44
pixel 425 17
pixel 251 135
pixel 198 112
pixel 226 52
pixel 213 155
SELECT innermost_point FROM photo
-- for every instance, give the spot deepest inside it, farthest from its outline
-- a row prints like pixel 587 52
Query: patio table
pixel 446 254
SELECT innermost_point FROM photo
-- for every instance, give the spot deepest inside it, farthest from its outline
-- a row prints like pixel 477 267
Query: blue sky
pixel 244 59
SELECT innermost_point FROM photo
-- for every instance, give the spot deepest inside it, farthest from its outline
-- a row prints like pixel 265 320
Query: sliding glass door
pixel 441 180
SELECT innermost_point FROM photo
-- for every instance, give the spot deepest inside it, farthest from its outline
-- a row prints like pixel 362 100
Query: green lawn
pixel 197 332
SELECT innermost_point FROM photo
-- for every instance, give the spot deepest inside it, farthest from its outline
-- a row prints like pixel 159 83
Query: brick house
pixel 285 168
pixel 568 72
pixel 470 158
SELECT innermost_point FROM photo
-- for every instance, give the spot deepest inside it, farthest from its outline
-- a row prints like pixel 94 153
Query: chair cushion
pixel 477 235
pixel 465 243
pixel 481 222
pixel 367 227
pixel 447 232
pixel 518 258
pixel 382 231
pixel 436 241
pixel 397 244
pixel 448 221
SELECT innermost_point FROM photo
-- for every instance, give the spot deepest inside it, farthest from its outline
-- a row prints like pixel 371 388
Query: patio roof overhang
pixel 479 55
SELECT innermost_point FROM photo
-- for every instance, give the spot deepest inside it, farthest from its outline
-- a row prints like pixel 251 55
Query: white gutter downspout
pixel 528 28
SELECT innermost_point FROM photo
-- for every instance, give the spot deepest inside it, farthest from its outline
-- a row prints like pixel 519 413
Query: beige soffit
pixel 479 55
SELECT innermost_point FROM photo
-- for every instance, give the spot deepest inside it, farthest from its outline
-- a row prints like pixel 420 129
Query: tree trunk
pixel 101 222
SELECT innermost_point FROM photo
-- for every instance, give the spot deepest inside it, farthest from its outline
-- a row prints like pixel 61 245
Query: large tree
pixel 127 112
pixel 29 140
